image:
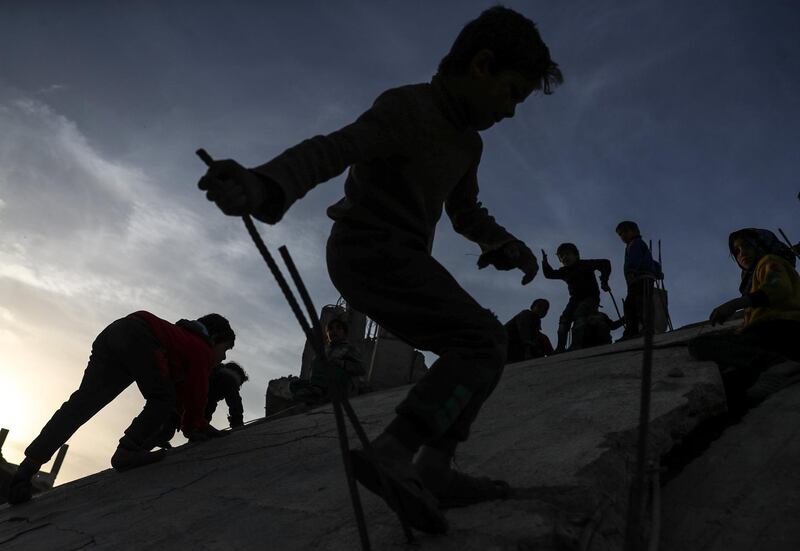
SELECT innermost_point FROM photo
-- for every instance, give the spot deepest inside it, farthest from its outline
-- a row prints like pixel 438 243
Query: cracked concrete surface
pixel 561 430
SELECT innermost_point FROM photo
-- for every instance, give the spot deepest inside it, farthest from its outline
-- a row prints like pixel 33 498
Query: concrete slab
pixel 743 493
pixel 561 430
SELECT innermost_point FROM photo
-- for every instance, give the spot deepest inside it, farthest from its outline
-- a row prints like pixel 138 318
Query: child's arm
pixel 471 219
pixel 776 286
pixel 603 266
pixel 268 190
pixel 548 271
pixel 721 313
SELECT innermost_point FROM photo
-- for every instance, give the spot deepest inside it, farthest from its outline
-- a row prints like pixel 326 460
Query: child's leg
pixel 410 294
pixel 141 351
pixel 742 357
pixel 633 308
pixel 103 380
pixel 406 291
pixel 564 324
pixel 583 310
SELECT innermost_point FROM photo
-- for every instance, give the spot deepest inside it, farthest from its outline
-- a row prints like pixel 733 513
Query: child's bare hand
pixel 721 313
pixel 235 190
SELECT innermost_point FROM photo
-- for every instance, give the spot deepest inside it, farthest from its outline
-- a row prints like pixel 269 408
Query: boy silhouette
pixel 413 153
pixel 584 296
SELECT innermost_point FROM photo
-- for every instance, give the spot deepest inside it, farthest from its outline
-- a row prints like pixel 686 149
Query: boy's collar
pixel 451 107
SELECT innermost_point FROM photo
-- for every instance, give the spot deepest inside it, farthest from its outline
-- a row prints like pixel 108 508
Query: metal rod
pixel 637 502
pixel 344 446
pixel 788 242
pixel 387 488
pixel 316 327
pixel 614 301
pixel 62 453
pixel 319 349
pixel 374 352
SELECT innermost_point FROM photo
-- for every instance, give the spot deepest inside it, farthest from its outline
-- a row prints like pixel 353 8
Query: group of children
pixel 179 371
pixel 589 327
pixel 411 155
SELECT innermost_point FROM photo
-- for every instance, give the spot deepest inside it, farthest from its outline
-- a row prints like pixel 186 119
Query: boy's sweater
pixel 410 154
pixel 638 260
pixel 580 279
pixel 775 292
pixel 186 358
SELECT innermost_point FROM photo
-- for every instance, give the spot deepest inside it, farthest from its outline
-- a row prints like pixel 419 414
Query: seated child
pixel 344 360
pixel 598 329
pixel 770 297
pixel 584 295
pixel 525 338
pixel 639 269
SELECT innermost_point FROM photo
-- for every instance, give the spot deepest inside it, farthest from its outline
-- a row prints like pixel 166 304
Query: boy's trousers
pixel 577 311
pixel 743 356
pixel 396 282
pixel 633 308
pixel 123 353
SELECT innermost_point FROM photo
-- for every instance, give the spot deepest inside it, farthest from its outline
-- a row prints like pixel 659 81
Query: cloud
pixel 87 239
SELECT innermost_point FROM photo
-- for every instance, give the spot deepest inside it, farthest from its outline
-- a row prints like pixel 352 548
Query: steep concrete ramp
pixel 561 430
pixel 743 493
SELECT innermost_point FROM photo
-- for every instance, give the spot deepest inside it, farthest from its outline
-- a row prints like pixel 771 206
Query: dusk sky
pixel 683 116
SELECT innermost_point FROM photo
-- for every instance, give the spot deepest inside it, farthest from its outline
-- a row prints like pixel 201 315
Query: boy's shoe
pixel 772 380
pixel 456 489
pixel 418 506
pixel 20 488
pixel 451 487
pixel 126 457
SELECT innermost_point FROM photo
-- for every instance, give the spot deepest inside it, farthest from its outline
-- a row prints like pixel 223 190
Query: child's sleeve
pixel 549 272
pixel 776 286
pixel 603 266
pixel 376 134
pixel 235 408
pixel 637 257
pixel 470 218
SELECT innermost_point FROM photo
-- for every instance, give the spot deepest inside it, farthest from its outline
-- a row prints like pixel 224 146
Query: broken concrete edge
pixel 608 479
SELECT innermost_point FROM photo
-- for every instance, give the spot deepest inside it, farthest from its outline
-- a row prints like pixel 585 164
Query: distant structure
pixel 389 361
pixel 41 482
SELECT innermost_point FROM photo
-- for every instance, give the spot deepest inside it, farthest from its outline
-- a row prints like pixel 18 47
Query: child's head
pixel 236 371
pixel 336 329
pixel 540 307
pixel 748 245
pixel 499 59
pixel 628 231
pixel 568 254
pixel 221 335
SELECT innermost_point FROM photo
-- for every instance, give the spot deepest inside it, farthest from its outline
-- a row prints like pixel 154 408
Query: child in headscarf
pixel 762 354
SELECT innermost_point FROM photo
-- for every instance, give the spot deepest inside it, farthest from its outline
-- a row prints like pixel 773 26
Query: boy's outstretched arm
pixel 547 270
pixel 267 191
pixel 471 219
